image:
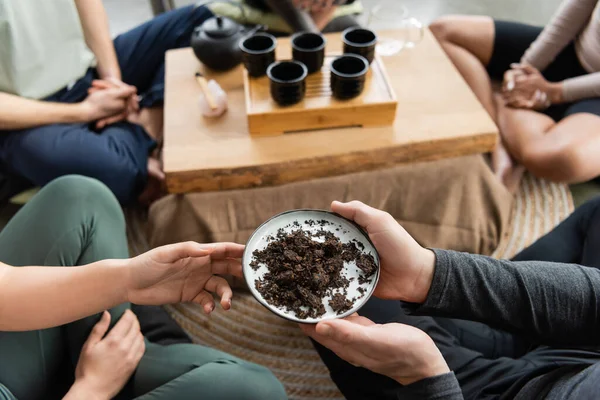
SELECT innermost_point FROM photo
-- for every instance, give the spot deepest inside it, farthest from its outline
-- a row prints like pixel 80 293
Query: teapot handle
pixel 235 3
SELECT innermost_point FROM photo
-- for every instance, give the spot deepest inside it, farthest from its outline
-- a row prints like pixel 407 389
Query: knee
pixel 85 196
pixel 558 164
pixel 444 28
pixel 258 383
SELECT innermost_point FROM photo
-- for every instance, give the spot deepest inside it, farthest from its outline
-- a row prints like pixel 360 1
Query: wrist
pixel 431 364
pixel 81 113
pixel 425 278
pixel 555 92
pixel 80 391
pixel 117 275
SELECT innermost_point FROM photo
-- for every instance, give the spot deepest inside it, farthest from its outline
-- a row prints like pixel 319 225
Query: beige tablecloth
pixel 453 203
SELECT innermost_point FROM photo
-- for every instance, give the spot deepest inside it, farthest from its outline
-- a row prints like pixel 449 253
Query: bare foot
pixel 506 169
pixel 155 187
pixel 504 166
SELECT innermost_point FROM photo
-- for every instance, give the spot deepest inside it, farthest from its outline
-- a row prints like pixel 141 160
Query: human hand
pixel 107 105
pixel 401 352
pixel 184 272
pixel 525 87
pixel 406 267
pixel 133 106
pixel 106 363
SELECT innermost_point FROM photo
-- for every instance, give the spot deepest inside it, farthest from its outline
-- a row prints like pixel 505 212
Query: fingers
pixel 221 287
pixel 133 333
pixel 227 267
pixel 227 250
pixel 359 212
pixel 175 252
pixel 205 299
pixel 342 331
pixel 104 122
pixel 99 329
pixel 528 69
pixel 123 92
pixel 121 328
pixel 357 319
pixel 137 349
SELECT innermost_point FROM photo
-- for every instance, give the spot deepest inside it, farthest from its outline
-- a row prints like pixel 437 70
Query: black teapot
pixel 216 41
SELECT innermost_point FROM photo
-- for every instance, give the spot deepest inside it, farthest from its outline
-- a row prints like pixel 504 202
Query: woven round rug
pixel 250 332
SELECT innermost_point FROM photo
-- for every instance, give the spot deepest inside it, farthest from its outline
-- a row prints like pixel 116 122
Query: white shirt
pixel 42 47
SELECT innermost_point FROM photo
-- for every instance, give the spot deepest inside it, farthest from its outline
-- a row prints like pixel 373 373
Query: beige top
pixel 42 48
pixel 577 20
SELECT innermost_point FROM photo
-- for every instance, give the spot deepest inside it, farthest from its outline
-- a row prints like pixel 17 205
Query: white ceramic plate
pixel 342 228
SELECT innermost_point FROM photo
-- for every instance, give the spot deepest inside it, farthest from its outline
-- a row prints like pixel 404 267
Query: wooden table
pixel 438 116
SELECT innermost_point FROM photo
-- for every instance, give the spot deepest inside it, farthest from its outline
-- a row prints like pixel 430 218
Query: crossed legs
pixel 559 151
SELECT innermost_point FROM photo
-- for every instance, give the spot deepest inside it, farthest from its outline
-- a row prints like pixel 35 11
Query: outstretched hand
pixel 406 267
pixel 185 272
pixel 401 352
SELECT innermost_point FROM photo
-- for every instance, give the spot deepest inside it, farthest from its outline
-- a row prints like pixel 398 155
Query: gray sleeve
pixel 548 302
pixel 435 388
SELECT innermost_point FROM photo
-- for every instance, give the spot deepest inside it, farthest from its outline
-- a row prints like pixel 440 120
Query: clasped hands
pixel 524 86
pixel 110 100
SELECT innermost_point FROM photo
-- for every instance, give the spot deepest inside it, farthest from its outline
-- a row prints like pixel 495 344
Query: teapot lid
pixel 220 27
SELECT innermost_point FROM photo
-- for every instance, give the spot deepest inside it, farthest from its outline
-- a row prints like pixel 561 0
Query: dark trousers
pixel 75 221
pixel 118 154
pixel 487 362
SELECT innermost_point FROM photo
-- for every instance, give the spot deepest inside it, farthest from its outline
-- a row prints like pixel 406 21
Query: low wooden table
pixel 438 116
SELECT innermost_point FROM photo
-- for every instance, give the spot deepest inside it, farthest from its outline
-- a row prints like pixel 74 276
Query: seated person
pixel 72 101
pixel 549 111
pixel 309 15
pixel 55 338
pixel 412 350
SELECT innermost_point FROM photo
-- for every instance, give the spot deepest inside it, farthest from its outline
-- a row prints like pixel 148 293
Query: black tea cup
pixel 360 41
pixel 348 75
pixel 309 48
pixel 288 82
pixel 258 52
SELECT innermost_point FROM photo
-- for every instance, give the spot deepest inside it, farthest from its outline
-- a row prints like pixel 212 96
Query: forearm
pixel 581 87
pixel 97 37
pixel 78 392
pixel 42 297
pixel 437 387
pixel 21 113
pixel 548 302
pixel 567 22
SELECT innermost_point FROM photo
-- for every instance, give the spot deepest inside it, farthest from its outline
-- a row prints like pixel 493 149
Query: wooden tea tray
pixel 375 106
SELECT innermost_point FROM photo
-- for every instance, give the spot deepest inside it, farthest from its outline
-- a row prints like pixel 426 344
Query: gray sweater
pixel 554 304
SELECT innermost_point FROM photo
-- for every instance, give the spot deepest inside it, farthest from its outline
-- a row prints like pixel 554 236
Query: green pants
pixel 75 221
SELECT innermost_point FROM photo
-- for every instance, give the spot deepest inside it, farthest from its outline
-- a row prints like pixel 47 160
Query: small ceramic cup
pixel 348 75
pixel 288 82
pixel 258 52
pixel 309 48
pixel 360 41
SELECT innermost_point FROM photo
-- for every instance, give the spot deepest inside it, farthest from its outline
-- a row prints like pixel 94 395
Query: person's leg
pixel 141 54
pixel 575 240
pixel 482 49
pixel 117 156
pixel 469 43
pixel 189 371
pixel 565 151
pixel 72 221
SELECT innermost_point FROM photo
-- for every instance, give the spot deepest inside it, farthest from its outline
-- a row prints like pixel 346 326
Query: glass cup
pixel 410 30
